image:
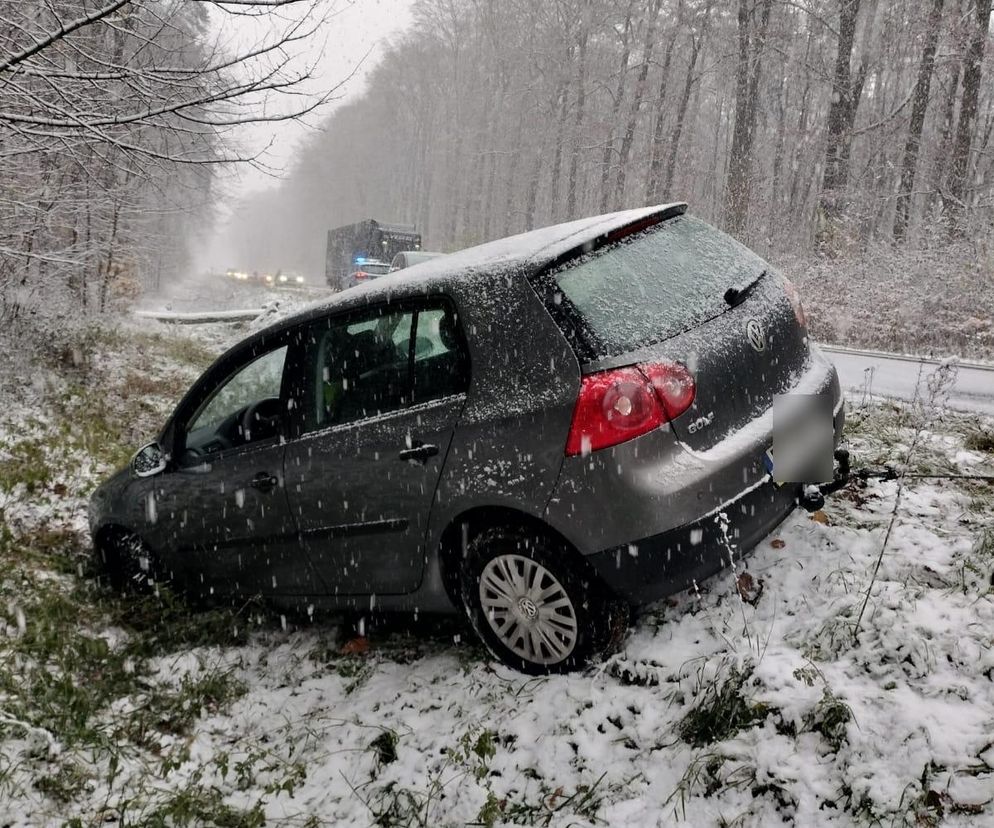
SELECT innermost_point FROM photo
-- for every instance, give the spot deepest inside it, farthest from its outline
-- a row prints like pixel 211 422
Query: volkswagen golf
pixel 542 432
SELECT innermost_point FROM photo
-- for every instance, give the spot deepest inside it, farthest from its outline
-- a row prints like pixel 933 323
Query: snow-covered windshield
pixel 655 284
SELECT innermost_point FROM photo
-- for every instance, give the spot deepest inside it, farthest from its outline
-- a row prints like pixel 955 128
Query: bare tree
pixel 113 118
pixel 920 97
pixel 759 114
pixel 751 42
pixel 846 92
pixel 959 174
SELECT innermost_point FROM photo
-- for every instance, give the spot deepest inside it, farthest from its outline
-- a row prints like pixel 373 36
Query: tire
pixel 534 605
pixel 131 565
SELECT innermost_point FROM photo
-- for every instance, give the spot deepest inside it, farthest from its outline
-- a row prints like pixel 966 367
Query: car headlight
pixel 300 280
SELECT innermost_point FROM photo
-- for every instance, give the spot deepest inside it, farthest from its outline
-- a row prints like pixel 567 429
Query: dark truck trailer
pixel 350 246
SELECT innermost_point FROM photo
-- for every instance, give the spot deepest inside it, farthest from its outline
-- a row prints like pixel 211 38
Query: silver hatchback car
pixel 541 432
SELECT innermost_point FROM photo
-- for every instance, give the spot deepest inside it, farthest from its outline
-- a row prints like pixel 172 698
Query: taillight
pixel 360 275
pixel 674 386
pixel 795 301
pixel 623 403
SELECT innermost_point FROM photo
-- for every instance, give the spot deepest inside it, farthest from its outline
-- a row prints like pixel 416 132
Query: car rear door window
pixel 387 359
pixel 441 365
pixel 654 284
pixel 363 367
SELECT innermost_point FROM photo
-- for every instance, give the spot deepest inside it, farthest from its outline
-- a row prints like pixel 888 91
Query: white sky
pixel 355 27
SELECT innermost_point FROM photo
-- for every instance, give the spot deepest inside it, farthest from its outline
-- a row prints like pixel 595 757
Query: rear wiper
pixel 737 293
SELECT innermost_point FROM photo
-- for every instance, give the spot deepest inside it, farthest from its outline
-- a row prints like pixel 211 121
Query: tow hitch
pixel 812 496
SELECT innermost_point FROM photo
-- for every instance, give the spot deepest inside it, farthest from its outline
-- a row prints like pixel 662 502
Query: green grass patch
pixel 722 709
pixel 980 440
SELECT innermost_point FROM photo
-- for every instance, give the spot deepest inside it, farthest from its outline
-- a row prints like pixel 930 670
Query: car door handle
pixel 419 452
pixel 264 481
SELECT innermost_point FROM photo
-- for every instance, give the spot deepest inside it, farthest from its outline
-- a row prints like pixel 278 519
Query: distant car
pixel 289 277
pixel 369 269
pixel 411 257
pixel 539 432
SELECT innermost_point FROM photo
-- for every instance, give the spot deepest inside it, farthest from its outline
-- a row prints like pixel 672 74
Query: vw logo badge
pixel 755 335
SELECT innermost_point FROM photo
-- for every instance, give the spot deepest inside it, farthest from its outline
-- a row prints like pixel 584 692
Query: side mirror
pixel 148 461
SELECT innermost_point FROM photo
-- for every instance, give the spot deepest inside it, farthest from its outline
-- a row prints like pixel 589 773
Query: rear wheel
pixel 534 606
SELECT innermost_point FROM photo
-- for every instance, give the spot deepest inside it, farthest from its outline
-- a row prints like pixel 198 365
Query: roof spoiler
pixel 664 212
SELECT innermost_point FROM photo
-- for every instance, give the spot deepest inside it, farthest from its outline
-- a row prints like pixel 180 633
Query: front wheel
pixel 534 606
pixel 132 566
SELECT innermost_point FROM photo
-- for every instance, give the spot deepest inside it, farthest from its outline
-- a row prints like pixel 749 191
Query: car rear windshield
pixel 654 284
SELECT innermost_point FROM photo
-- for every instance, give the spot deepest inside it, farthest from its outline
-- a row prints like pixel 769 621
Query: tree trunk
pixel 639 94
pixel 619 94
pixel 533 181
pixel 681 112
pixel 581 99
pixel 653 184
pixel 846 92
pixel 919 106
pixel 959 173
pixel 746 94
pixel 940 165
pixel 557 157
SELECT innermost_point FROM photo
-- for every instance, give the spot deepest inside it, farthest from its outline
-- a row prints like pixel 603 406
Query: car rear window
pixel 654 284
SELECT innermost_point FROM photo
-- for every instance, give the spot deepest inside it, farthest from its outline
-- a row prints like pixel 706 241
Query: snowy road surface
pixel 891 375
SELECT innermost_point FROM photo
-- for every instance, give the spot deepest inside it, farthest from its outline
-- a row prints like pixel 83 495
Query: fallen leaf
pixel 820 517
pixel 749 588
pixel 778 543
pixel 353 646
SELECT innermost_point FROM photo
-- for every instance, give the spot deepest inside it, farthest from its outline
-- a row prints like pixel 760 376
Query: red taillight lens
pixel 624 403
pixel 674 386
pixel 360 275
pixel 613 406
pixel 795 301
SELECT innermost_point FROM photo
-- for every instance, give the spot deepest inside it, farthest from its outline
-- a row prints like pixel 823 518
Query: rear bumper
pixel 660 565
pixel 654 484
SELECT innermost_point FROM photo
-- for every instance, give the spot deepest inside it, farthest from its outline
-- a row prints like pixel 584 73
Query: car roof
pixel 529 251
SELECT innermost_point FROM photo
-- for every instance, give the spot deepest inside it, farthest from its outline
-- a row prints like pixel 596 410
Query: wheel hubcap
pixel 528 609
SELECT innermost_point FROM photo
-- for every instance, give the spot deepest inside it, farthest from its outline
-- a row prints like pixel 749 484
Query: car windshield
pixel 376 268
pixel 654 284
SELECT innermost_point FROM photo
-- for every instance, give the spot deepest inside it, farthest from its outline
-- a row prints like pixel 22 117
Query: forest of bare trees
pixel 115 116
pixel 853 132
pixel 802 126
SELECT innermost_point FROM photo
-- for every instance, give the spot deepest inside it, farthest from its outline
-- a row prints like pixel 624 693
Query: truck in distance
pixel 352 245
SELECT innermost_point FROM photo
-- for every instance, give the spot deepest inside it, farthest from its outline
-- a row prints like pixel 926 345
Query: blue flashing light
pixel 360 260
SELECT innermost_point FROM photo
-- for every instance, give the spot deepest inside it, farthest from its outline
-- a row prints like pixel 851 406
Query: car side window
pixel 363 366
pixel 245 408
pixel 441 363
pixel 370 364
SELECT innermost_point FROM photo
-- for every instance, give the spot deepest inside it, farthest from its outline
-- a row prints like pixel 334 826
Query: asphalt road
pixel 892 375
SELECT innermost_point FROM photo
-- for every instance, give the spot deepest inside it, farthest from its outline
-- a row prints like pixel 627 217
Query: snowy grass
pixel 935 299
pixel 749 703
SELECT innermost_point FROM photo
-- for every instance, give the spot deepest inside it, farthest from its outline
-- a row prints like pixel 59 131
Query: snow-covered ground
pixel 752 702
